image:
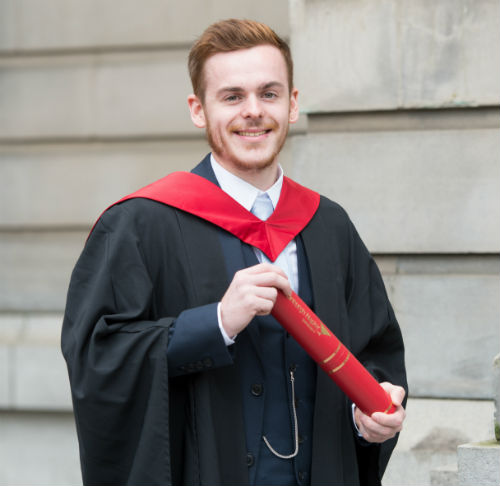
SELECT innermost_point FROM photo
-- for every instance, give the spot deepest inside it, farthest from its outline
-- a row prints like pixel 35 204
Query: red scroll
pixel 335 359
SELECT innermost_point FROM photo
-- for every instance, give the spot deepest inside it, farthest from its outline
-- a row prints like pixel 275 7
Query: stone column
pixel 479 463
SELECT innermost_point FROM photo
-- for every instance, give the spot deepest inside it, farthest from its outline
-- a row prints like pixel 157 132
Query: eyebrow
pixel 271 84
pixel 239 89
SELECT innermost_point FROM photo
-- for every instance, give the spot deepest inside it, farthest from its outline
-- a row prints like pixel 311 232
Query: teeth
pixel 252 134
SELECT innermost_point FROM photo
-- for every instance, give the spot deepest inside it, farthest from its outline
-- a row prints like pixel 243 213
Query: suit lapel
pixel 204 169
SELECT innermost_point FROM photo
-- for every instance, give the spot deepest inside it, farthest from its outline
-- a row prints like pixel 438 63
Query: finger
pixel 262 275
pixel 267 269
pixel 380 426
pixel 393 420
pixel 385 430
pixel 374 432
pixel 263 268
pixel 266 293
pixel 271 279
pixel 264 307
pixel 259 272
pixel 397 393
pixel 256 299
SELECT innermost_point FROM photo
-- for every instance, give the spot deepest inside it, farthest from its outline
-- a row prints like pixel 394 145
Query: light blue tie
pixel 263 206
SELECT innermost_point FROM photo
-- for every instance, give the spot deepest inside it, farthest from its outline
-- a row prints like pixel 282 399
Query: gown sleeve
pixel 115 338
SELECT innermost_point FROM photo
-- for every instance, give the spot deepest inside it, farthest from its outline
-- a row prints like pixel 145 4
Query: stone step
pixel 444 476
pixel 479 464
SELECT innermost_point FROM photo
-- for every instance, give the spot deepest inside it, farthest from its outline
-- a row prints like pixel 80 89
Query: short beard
pixel 218 148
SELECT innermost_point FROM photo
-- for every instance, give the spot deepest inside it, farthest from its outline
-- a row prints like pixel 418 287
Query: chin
pixel 254 163
pixel 251 162
pixel 244 159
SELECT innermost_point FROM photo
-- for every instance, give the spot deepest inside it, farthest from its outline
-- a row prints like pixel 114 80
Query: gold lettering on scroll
pixel 332 355
pixel 313 324
pixel 340 365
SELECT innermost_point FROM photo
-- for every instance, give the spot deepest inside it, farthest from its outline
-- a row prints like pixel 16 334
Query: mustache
pixel 253 125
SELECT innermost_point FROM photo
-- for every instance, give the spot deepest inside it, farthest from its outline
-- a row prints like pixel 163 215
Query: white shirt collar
pixel 241 191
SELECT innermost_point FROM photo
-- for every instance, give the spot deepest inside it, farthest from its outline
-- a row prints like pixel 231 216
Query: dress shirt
pixel 245 194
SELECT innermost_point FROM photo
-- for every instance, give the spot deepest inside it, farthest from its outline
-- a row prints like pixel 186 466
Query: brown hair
pixel 232 35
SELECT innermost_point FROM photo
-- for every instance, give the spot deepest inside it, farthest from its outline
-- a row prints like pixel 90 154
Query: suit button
pixel 250 459
pixel 257 389
pixel 207 362
pixel 301 475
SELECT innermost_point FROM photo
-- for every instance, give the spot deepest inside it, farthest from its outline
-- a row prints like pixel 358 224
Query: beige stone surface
pixel 35 269
pixel 410 191
pixel 450 327
pixel 41 381
pixel 63 24
pixel 95 95
pixel 35 372
pixel 10 329
pixel 5 382
pixel 448 308
pixel 38 448
pixel 395 54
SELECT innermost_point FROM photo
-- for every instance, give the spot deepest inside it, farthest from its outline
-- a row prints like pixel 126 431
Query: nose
pixel 252 107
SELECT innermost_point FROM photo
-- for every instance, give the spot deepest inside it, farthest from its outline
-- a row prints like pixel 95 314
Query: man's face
pixel 247 107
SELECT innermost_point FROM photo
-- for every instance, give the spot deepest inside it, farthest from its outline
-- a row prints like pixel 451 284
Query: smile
pixel 253 134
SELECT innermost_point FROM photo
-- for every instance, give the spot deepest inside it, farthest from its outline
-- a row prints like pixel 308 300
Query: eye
pixel 232 98
pixel 269 95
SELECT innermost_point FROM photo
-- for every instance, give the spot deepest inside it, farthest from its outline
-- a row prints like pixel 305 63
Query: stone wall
pixel 399 124
pixel 402 103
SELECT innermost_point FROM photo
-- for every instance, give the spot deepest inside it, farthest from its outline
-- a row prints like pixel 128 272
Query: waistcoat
pixel 266 356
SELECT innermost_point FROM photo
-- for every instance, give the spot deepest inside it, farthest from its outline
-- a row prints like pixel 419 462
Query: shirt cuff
pixel 227 340
pixel 354 421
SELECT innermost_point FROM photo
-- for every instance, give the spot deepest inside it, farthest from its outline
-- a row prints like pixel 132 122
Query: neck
pixel 262 178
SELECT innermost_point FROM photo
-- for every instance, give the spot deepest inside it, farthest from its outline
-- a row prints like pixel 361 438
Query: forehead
pixel 245 68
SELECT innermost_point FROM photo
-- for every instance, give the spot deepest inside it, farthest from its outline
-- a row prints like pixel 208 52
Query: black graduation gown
pixel 145 263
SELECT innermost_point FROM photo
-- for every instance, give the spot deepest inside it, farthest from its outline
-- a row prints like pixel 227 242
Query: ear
pixel 196 111
pixel 294 106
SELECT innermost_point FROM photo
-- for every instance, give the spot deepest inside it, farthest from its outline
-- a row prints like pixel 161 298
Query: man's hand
pixel 252 293
pixel 382 426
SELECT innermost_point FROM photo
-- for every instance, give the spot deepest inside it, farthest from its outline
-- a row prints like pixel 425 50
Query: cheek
pixel 283 114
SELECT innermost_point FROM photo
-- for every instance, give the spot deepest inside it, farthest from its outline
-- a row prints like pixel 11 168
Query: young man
pixel 179 374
